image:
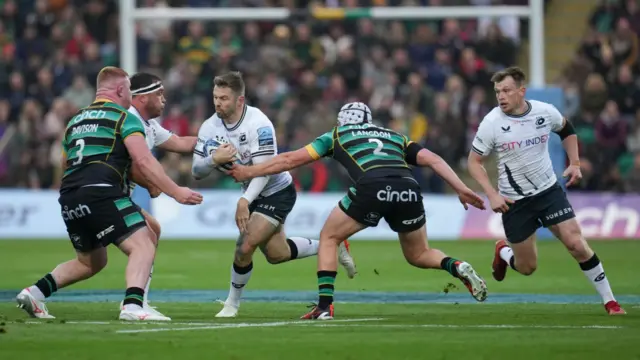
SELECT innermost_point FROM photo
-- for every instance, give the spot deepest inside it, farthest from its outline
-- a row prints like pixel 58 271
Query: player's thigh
pixel 360 206
pixel 521 221
pixel 401 200
pixel 152 223
pixel 267 216
pixel 276 249
pixel 413 242
pixel 95 259
pixel 339 226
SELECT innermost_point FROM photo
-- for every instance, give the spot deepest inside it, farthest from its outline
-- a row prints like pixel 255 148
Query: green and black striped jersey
pixel 363 148
pixel 94 145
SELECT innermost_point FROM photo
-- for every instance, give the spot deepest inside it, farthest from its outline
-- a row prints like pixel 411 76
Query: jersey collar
pixel 237 125
pixel 135 112
pixel 525 113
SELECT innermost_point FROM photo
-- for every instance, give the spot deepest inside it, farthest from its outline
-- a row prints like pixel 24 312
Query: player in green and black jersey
pixel 378 161
pixel 101 143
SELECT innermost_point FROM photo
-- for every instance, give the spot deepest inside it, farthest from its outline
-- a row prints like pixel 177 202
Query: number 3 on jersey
pixel 379 144
pixel 80 143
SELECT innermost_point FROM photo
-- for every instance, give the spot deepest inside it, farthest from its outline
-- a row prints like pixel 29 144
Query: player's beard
pixel 225 115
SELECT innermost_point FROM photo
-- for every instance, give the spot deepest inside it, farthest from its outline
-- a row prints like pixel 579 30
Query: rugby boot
pixel 346 260
pixel 613 308
pixel 317 313
pixel 499 266
pixel 137 313
pixel 35 308
pixel 146 306
pixel 229 310
pixel 476 285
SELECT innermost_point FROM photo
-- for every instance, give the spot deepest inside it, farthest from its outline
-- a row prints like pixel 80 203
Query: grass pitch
pixel 389 311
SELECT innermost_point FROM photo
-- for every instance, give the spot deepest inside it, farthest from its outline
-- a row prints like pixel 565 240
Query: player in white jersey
pixel 148 104
pixel 266 201
pixel 529 195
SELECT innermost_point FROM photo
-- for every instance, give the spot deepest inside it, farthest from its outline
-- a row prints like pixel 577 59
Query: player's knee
pixel 244 250
pixel 274 259
pixel 526 267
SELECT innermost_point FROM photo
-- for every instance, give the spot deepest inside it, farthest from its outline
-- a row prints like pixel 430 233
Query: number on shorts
pixel 79 142
pixel 378 148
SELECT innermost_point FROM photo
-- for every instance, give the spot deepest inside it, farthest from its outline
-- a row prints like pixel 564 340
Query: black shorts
pixel 98 216
pixel 525 216
pixel 397 200
pixel 276 206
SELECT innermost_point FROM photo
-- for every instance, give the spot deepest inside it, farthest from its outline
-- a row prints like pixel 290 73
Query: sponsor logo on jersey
pixel 413 221
pixel 106 231
pixel 540 122
pixel 516 145
pixel 243 139
pixel 390 195
pixel 265 136
pixel 77 213
pixel 90 114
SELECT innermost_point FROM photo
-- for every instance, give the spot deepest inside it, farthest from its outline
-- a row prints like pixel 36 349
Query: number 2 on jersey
pixel 379 144
pixel 80 143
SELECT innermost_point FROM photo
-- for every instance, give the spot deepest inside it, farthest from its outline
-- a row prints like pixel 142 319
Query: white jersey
pixel 155 134
pixel 522 146
pixel 253 136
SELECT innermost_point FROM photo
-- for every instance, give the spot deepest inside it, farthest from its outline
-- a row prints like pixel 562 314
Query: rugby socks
pixel 133 296
pixel 450 265
pixel 146 287
pixel 302 247
pixel 239 278
pixel 44 287
pixel 506 254
pixel 326 279
pixel 594 271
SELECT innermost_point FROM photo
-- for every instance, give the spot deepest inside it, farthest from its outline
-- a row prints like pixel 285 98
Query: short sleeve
pixel 556 118
pixel 161 134
pixel 484 140
pixel 322 146
pixel 203 135
pixel 263 140
pixel 131 125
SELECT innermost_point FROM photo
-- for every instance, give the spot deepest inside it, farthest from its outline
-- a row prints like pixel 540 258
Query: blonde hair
pixel 109 73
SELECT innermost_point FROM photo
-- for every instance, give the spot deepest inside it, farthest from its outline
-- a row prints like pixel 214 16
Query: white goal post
pixel 534 12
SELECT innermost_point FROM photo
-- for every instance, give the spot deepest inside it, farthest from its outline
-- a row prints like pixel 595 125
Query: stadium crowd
pixel 428 79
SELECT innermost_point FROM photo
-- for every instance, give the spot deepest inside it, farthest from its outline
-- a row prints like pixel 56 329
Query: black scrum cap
pixel 144 83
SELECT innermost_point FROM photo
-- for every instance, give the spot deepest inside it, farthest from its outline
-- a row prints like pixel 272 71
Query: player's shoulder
pixel 541 106
pixel 492 116
pixel 255 117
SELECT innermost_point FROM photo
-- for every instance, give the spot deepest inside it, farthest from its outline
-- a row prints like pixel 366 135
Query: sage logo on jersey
pixel 390 195
pixel 77 213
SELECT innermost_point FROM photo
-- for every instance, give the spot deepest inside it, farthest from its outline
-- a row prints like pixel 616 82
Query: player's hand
pixel 242 215
pixel 224 154
pixel 468 197
pixel 573 173
pixel 240 172
pixel 186 196
pixel 499 203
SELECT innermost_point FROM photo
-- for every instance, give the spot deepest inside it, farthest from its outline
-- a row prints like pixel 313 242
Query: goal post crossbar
pixel 129 14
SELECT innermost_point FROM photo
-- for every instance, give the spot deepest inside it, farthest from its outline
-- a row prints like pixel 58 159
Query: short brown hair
pixel 110 72
pixel 515 72
pixel 232 80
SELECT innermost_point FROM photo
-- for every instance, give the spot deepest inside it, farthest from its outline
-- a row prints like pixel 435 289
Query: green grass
pixel 271 330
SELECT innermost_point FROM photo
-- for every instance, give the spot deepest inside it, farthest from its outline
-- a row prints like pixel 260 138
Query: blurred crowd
pixel 603 97
pixel 428 79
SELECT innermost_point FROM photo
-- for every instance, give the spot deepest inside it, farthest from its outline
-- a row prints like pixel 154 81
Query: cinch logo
pixel 77 213
pixel 513 145
pixel 389 195
pixel 90 114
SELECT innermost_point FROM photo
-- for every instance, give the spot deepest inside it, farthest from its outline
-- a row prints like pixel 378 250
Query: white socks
pixel 239 278
pixel 302 247
pixel 594 271
pixel 146 287
pixel 506 254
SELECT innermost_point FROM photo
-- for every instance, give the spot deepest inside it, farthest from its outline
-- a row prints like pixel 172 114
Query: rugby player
pixel 377 160
pixel 529 195
pixel 147 105
pixel 244 133
pixel 101 143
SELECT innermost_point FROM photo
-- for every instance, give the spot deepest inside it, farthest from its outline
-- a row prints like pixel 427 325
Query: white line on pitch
pixel 237 325
pixel 452 326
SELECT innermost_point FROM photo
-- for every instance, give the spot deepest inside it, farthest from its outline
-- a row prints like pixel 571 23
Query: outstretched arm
pixel 179 144
pixel 277 164
pixel 419 156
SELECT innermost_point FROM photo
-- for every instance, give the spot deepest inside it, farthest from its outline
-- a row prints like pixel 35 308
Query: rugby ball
pixel 210 147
